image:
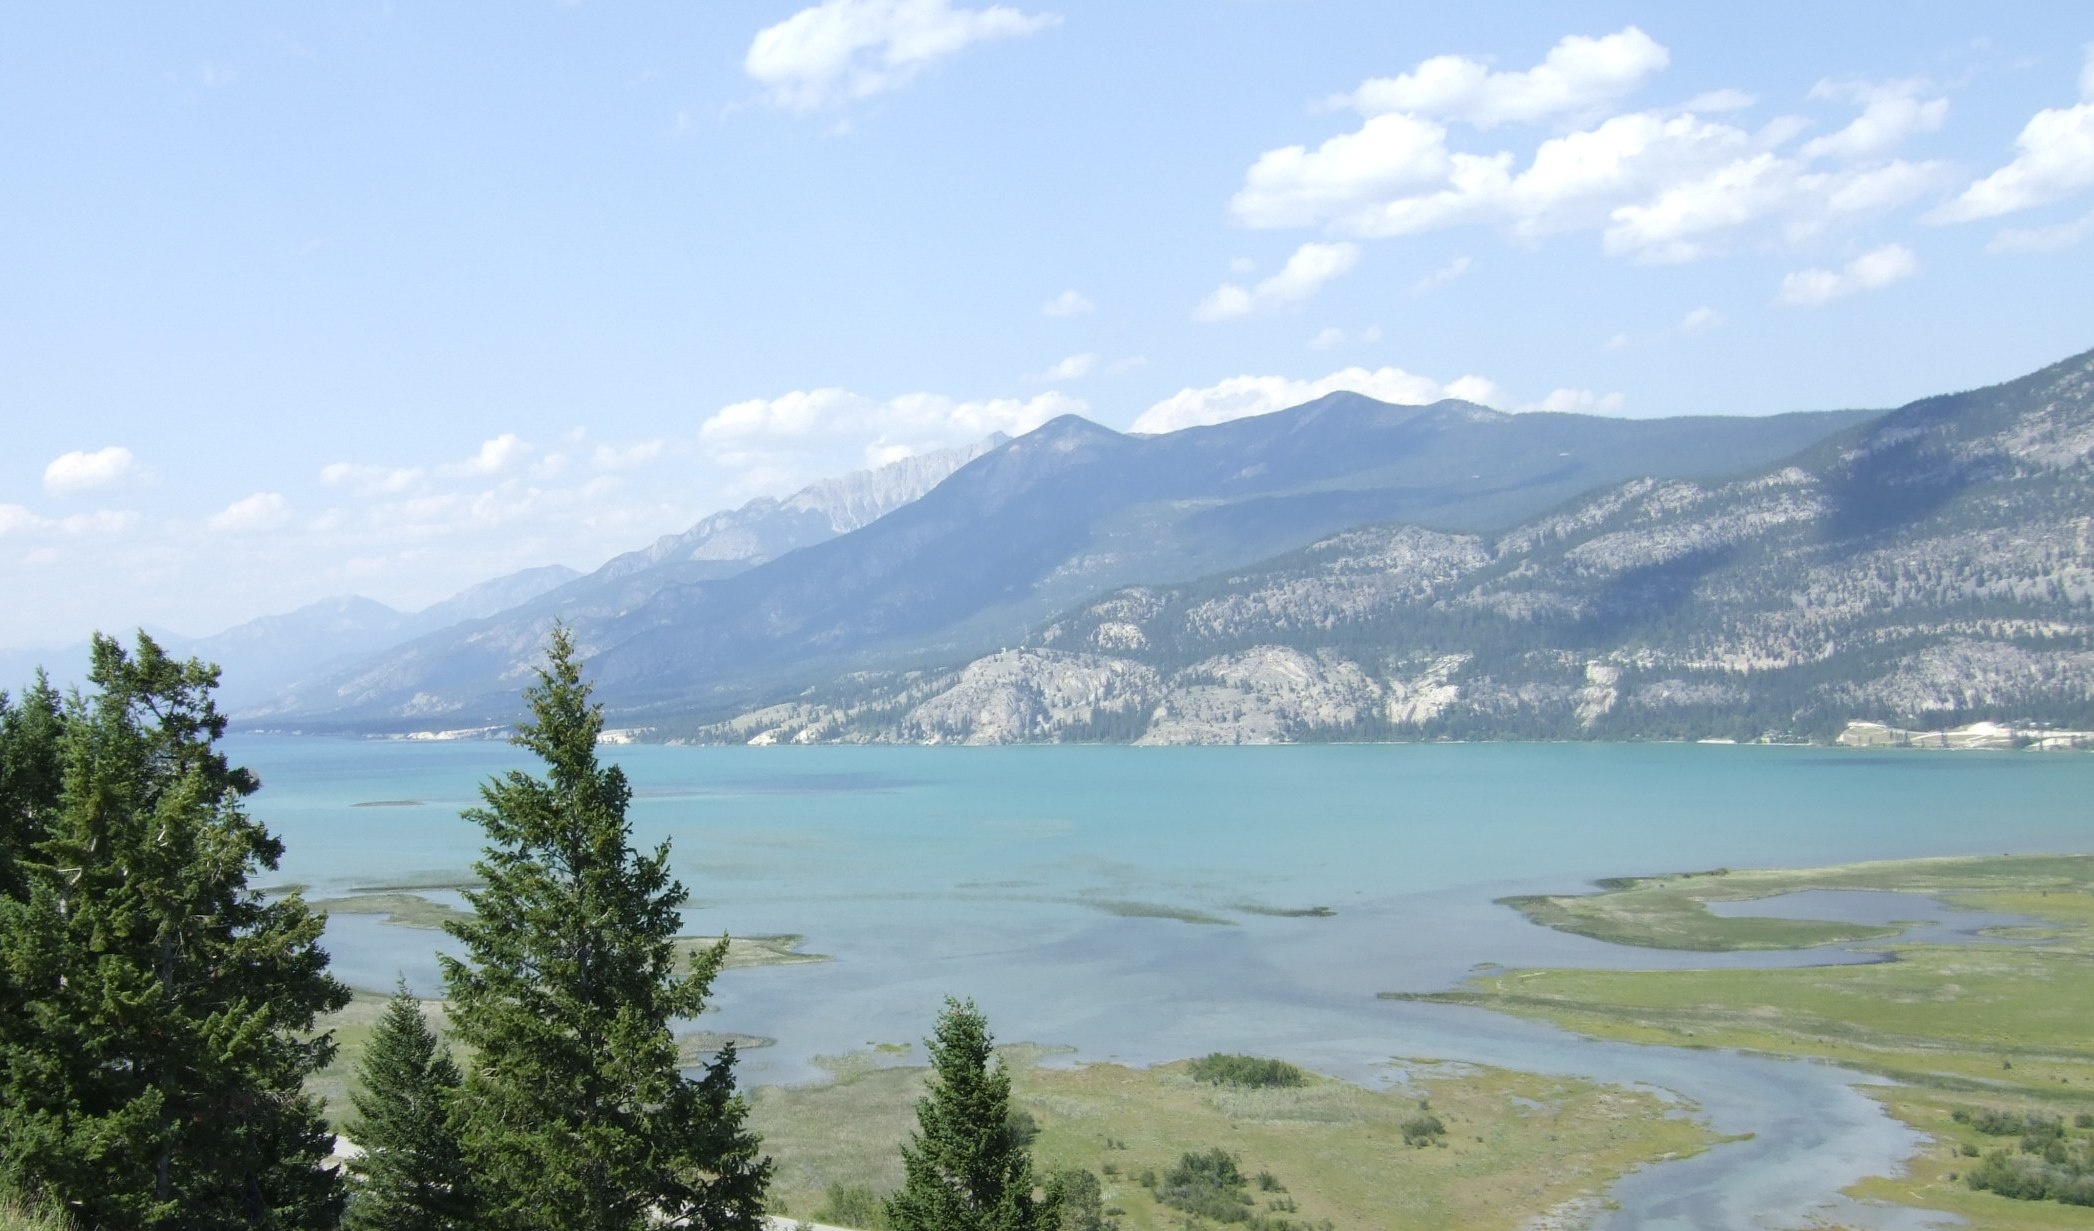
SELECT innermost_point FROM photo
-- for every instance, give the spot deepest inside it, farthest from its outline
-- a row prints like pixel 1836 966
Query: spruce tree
pixel 159 1025
pixel 411 1175
pixel 575 1115
pixel 965 1168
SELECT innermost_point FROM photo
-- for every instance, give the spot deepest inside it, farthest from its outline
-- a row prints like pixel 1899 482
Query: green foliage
pixel 156 1023
pixel 1207 1185
pixel 575 1116
pixel 854 1205
pixel 964 1169
pixel 1081 1198
pixel 1225 1069
pixel 1423 1129
pixel 411 1176
pixel 2047 1163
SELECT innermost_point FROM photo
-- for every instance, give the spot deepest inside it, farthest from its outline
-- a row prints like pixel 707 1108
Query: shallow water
pixel 1041 881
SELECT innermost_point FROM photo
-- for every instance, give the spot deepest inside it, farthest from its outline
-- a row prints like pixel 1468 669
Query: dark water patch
pixel 1283 912
pixel 1128 909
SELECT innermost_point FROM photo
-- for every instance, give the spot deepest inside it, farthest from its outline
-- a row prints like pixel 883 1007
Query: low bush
pixel 1224 1069
pixel 1423 1130
pixel 853 1205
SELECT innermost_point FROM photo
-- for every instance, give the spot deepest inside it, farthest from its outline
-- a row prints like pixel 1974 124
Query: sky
pixel 300 301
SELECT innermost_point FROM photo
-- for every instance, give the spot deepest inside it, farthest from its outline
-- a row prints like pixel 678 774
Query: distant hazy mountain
pixel 718 547
pixel 1930 568
pixel 264 656
pixel 1033 525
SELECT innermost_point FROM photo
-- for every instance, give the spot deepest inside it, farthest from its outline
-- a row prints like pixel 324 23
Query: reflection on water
pixel 990 873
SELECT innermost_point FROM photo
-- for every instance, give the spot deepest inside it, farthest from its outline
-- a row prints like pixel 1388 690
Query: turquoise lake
pixel 1131 903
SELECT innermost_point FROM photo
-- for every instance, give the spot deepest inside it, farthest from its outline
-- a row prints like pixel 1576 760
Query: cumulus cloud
pixel 70 474
pixel 1891 112
pixel 2053 159
pixel 1659 185
pixel 1305 273
pixel 1578 74
pixel 2053 238
pixel 1239 397
pixel 1870 271
pixel 261 511
pixel 842 50
pixel 494 457
pixel 1717 101
pixel 1068 303
pixel 15 519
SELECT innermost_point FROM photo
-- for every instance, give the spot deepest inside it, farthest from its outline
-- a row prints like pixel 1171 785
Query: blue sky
pixel 309 300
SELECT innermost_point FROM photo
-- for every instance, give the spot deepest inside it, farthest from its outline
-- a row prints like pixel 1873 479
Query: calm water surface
pixel 1126 901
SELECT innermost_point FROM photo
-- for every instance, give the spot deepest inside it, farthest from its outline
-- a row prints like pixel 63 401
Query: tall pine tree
pixel 158 1028
pixel 576 1116
pixel 411 1175
pixel 965 1168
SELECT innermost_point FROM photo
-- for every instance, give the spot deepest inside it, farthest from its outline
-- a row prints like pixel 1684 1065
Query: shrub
pixel 1209 1185
pixel 1224 1069
pixel 1423 1130
pixel 853 1205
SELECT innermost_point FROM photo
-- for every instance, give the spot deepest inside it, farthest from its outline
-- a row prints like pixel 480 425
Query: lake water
pixel 1129 903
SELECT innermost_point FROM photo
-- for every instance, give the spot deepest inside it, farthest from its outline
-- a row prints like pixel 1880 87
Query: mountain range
pixel 1031 526
pixel 1931 567
pixel 1344 569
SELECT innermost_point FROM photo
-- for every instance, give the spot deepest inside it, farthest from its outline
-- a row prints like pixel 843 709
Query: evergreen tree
pixel 159 1025
pixel 30 777
pixel 965 1169
pixel 411 1175
pixel 576 1117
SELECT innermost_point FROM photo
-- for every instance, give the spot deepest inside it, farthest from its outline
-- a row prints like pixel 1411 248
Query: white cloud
pixel 1720 100
pixel 1441 276
pixel 1332 337
pixel 1891 112
pixel 1578 401
pixel 1661 185
pixel 1870 271
pixel 2052 238
pixel 1071 367
pixel 70 474
pixel 1700 321
pixel 780 442
pixel 1068 303
pixel 261 511
pixel 1305 273
pixel 1620 341
pixel 371 480
pixel 1242 396
pixel 841 50
pixel 1578 74
pixel 613 457
pixel 494 457
pixel 1341 181
pixel 2053 159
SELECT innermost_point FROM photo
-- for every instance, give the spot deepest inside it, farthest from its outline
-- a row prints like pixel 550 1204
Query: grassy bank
pixel 1671 912
pixel 1516 1146
pixel 1978 1026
